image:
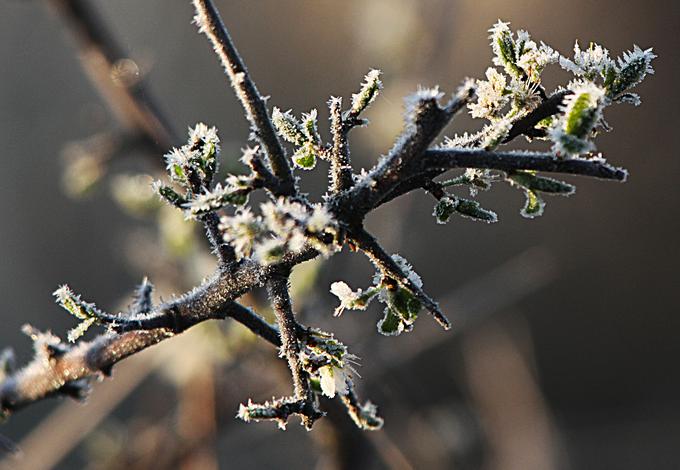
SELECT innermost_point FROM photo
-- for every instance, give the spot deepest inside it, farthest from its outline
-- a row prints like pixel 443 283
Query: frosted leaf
pixel 350 299
pixel 491 96
pixel 632 69
pixel 80 330
pixel 288 127
pixel 240 231
pixel 443 209
pixel 333 380
pixel 219 197
pixel 591 63
pixel 581 112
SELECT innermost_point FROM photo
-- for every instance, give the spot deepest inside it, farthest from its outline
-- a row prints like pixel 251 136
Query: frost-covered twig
pixel 210 23
pixel 257 249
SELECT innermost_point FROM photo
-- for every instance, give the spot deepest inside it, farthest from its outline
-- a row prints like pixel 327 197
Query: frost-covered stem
pixel 426 121
pixel 384 262
pixel 341 169
pixel 527 124
pixel 279 296
pixel 447 159
pixel 210 23
pixel 63 373
pixel 99 52
pixel 224 251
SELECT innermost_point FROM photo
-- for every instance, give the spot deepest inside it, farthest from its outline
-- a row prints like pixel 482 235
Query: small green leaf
pixel 533 182
pixel 472 210
pixel 443 210
pixel 391 324
pixel 534 205
pixel 403 303
pixel 305 157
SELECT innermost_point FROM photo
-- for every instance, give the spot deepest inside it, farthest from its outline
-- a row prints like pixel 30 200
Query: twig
pixel 383 261
pixel 341 169
pixel 210 23
pixel 279 296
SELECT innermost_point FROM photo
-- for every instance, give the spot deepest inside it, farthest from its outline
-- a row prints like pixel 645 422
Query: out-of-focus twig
pixel 127 97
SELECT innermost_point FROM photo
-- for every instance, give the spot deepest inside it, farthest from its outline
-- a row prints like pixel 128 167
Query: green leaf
pixel 533 182
pixel 305 157
pixel 472 210
pixel 391 324
pixel 534 205
pixel 403 303
pixel 170 195
pixel 443 210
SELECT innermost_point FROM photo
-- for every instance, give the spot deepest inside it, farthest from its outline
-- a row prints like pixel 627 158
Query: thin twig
pixel 341 169
pixel 279 295
pixel 383 261
pixel 210 23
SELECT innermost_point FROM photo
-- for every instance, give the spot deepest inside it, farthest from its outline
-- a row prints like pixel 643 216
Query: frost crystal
pixel 592 62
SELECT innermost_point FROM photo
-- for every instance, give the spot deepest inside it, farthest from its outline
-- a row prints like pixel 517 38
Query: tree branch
pixel 210 23
pixel 279 296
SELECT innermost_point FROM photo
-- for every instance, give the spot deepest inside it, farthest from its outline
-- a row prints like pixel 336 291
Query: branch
pixel 59 369
pixel 279 296
pixel 384 262
pixel 210 23
pixel 341 169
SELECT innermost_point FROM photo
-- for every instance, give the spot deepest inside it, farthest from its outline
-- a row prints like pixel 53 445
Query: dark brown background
pixel 598 334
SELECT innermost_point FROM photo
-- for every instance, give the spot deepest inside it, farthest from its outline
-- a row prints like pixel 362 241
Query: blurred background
pixel 564 352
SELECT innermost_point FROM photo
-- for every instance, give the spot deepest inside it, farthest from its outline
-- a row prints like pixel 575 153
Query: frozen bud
pixel 443 210
pixel 492 96
pixel 581 112
pixel 369 90
pixel 334 380
pixel 269 251
pixel 533 206
pixel 632 69
pixel 309 127
pixel 288 127
pixel 219 197
pixel 80 309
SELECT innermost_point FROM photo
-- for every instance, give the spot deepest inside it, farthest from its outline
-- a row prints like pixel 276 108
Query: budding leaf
pixel 443 210
pixel 540 183
pixel 169 194
pixel 472 210
pixel 534 205
pixel 369 90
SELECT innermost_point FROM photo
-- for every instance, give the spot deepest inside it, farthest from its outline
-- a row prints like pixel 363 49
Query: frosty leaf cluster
pixel 570 117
